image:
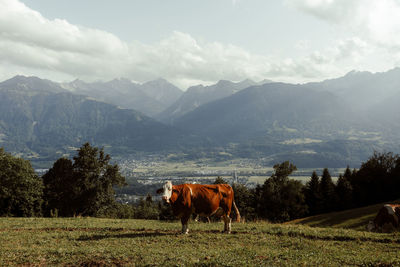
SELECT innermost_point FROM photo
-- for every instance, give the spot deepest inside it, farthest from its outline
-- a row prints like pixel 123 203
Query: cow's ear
pixel 159 191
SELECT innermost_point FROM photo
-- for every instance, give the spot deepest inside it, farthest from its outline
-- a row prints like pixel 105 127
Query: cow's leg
pixel 184 221
pixel 227 221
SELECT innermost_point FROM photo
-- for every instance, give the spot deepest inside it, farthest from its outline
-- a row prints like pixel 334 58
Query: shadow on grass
pixel 125 235
pixel 146 233
pixel 334 237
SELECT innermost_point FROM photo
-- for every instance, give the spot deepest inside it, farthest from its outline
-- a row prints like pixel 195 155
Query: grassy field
pixel 103 242
pixel 356 219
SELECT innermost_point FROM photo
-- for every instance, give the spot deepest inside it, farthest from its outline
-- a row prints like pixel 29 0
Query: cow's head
pixel 166 191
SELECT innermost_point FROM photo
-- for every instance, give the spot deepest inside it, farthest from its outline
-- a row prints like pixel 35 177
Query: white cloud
pixel 372 27
pixel 30 41
pixel 376 21
pixel 31 44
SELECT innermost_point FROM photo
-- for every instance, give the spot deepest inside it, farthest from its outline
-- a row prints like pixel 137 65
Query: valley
pixel 146 175
pixel 312 125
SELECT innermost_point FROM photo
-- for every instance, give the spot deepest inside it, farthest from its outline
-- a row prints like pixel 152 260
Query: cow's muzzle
pixel 165 199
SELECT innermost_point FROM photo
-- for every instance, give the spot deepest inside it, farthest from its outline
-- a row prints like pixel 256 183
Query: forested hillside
pixel 40 119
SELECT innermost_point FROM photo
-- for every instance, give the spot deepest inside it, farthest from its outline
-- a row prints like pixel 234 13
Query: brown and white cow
pixel 387 219
pixel 205 200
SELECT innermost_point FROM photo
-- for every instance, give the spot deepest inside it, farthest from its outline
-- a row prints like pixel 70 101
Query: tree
pixel 348 174
pixel 220 180
pixel 58 189
pixel 283 170
pixel 95 178
pixel 312 194
pixel 344 192
pixel 245 201
pixel 328 194
pixel 374 181
pixel 87 183
pixel 20 188
pixel 395 174
pixel 282 199
pixel 165 212
pixel 147 209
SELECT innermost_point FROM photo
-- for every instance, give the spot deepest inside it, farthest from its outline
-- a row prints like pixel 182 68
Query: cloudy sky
pixel 189 41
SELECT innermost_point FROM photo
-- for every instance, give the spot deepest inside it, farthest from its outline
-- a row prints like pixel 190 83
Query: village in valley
pixel 148 172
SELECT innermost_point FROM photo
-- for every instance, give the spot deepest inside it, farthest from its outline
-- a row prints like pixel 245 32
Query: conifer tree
pixel 328 194
pixel 313 194
pixel 344 192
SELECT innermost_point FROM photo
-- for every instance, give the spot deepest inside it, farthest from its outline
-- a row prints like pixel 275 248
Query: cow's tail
pixel 237 211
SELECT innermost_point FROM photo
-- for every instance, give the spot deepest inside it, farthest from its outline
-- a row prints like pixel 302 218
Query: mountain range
pixel 149 98
pixel 39 119
pixel 332 123
pixel 199 95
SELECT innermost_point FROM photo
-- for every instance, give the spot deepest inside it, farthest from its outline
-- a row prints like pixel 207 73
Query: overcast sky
pixel 190 41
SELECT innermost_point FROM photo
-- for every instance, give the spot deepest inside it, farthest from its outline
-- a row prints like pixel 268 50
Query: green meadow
pixel 116 242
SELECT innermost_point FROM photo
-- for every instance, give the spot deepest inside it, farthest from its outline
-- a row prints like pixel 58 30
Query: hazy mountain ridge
pixel 387 114
pixel 199 95
pixel 363 90
pixel 31 84
pixel 149 98
pixel 357 105
pixel 263 110
pixel 162 90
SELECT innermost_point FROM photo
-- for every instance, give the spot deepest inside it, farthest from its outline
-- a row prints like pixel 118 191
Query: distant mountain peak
pixel 352 72
pixel 357 72
pixel 31 83
pixel 224 82
pixel 195 88
pixel 159 81
pixel 121 80
pixel 23 78
pixel 18 77
pixel 265 81
pixel 78 82
pixel 246 83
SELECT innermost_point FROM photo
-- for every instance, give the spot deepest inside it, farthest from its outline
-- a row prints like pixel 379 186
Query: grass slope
pixel 356 219
pixel 104 242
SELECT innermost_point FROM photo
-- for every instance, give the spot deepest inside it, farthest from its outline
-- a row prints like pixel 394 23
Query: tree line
pixel 281 199
pixel 84 186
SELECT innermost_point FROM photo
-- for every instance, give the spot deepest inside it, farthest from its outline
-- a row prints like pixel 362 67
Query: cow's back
pixel 207 199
